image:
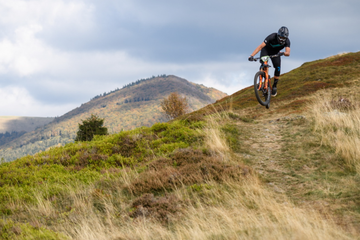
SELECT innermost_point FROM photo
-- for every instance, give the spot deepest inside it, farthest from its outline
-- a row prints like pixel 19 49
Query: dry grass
pixel 337 55
pixel 249 211
pixel 234 210
pixel 338 121
pixel 231 209
pixel 214 138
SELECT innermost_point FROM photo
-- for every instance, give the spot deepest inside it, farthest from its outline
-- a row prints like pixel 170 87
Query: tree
pixel 90 127
pixel 174 105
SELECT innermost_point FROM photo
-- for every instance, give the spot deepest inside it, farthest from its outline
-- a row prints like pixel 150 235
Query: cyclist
pixel 271 46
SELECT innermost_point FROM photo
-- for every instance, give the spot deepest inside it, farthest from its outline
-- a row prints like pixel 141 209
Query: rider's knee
pixel 277 72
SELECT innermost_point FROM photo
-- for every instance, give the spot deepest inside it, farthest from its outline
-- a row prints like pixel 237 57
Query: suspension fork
pixel 265 70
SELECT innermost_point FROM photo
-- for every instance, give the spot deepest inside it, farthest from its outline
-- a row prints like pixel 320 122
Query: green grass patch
pixel 10 231
pixel 84 162
pixel 232 134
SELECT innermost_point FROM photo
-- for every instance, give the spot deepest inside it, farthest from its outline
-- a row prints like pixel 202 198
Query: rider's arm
pixel 287 51
pixel 258 49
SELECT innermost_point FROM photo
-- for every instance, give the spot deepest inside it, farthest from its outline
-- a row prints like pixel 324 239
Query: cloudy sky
pixel 56 55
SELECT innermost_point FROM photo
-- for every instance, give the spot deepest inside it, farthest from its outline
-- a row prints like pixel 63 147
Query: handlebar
pixel 272 56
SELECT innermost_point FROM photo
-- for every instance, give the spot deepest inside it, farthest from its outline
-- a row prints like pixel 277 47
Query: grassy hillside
pixel 135 105
pixel 233 170
pixel 333 72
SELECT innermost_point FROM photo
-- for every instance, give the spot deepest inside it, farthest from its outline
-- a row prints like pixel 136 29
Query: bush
pixel 90 127
pixel 174 105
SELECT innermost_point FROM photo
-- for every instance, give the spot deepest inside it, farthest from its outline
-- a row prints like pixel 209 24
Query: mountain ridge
pixel 130 107
pixel 22 123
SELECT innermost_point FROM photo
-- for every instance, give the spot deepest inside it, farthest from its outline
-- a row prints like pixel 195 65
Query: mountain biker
pixel 271 46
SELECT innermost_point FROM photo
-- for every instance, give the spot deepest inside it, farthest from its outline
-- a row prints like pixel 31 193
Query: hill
pixel 14 127
pixel 135 105
pixel 19 124
pixel 232 170
pixel 333 72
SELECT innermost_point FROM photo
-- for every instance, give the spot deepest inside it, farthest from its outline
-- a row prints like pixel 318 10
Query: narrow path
pixel 264 150
pixel 289 159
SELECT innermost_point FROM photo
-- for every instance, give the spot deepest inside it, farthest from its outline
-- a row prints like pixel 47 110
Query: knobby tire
pixel 263 98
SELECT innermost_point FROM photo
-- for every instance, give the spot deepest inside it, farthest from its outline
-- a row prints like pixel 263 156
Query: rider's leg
pixel 276 80
pixel 274 87
pixel 263 52
pixel 276 63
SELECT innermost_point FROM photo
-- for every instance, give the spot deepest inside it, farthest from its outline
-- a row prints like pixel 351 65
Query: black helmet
pixel 283 34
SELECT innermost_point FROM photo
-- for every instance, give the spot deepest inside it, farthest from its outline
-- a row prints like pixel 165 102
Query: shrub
pixel 185 167
pixel 90 127
pixel 159 208
pixel 174 105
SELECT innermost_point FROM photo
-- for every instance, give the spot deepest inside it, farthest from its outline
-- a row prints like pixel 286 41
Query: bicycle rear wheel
pixel 262 94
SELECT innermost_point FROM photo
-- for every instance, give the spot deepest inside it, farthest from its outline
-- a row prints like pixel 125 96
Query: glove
pixel 251 58
pixel 281 54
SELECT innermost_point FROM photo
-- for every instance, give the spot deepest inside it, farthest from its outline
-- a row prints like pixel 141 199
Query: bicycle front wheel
pixel 262 93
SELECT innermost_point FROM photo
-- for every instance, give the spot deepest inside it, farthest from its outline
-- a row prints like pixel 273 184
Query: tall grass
pixel 234 210
pixel 214 137
pixel 338 121
pixel 249 211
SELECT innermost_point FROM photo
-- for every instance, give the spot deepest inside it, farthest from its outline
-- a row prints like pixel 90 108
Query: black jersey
pixel 273 45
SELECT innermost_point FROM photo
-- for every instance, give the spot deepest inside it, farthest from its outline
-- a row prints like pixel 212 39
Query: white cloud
pixel 17 101
pixel 22 52
pixel 19 56
pixel 17 13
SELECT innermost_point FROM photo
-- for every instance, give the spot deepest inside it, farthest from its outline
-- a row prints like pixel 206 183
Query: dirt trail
pixel 290 160
pixel 264 150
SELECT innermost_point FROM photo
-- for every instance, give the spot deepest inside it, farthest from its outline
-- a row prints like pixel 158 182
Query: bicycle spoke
pixel 261 88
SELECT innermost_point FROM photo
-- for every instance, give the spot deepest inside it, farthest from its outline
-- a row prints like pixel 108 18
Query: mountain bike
pixel 262 81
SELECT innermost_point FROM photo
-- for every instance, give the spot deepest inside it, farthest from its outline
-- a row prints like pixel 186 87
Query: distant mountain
pixel 19 124
pixel 13 127
pixel 136 104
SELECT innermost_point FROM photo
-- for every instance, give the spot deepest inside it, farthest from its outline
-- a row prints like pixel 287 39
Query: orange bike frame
pixel 264 68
